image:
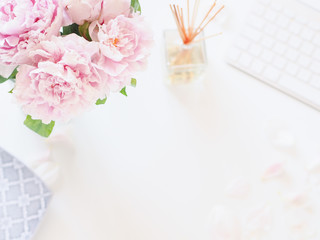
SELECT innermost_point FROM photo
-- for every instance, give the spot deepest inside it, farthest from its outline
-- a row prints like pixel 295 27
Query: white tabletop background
pixel 153 165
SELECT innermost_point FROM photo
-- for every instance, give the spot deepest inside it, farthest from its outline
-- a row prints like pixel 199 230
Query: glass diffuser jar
pixel 185 63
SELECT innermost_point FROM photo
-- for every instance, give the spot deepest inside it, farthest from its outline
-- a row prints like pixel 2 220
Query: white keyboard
pixel 315 4
pixel 280 48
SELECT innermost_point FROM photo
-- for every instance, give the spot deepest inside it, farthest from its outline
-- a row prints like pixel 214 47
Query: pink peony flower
pixel 80 11
pixel 24 23
pixel 62 82
pixel 125 45
pixel 113 8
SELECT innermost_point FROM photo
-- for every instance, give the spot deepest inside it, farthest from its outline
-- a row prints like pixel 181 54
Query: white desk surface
pixel 153 165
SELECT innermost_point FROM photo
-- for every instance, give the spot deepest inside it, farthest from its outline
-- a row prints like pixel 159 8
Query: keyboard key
pixel 300 88
pixel 265 2
pixel 289 13
pixel 267 55
pixel 252 34
pixel 301 20
pixel 283 21
pixel 255 50
pixel 270 29
pixel 292 68
pixel 295 27
pixel 307 48
pixel 315 82
pixel 316 40
pixel 280 48
pixel 267 42
pixel 307 34
pixel 295 42
pixel 257 66
pixel 259 9
pixel 315 26
pixel 304 75
pixel 304 61
pixel 282 36
pixel 279 62
pixel 315 67
pixel 270 15
pixel 292 54
pixel 256 22
pixel 276 6
pixel 316 54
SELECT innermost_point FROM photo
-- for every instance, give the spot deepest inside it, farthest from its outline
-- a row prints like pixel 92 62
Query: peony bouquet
pixel 69 55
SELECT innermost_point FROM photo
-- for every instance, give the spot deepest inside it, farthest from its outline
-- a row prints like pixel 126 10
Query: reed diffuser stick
pixel 174 11
pixel 189 32
pixel 195 12
pixel 188 6
pixel 210 20
pixel 204 38
pixel 208 13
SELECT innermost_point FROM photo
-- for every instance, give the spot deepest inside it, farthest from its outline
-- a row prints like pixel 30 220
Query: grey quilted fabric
pixel 23 199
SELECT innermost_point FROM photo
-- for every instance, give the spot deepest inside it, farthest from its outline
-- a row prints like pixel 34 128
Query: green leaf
pixel 84 31
pixel 73 28
pixel 12 76
pixel 11 91
pixel 101 101
pixel 124 92
pixel 2 79
pixel 14 73
pixel 136 5
pixel 39 127
pixel 133 82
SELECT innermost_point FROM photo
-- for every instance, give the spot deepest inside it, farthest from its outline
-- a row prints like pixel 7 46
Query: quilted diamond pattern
pixel 23 199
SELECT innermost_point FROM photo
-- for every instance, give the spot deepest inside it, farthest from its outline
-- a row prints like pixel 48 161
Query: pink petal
pixel 12 41
pixel 224 224
pixel 297 198
pixel 273 171
pixel 297 219
pixel 259 219
pixel 314 166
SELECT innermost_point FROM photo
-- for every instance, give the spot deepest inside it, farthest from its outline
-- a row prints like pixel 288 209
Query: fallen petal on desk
pixel 297 198
pixel 274 171
pixel 258 221
pixel 281 137
pixel 224 224
pixel 314 166
pixel 314 180
pixel 297 219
